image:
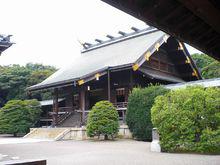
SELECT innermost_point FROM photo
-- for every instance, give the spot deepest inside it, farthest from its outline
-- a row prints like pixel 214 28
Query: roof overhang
pixel 4 46
pixel 5 42
pixel 215 82
pixel 86 78
pixel 195 22
pixel 153 74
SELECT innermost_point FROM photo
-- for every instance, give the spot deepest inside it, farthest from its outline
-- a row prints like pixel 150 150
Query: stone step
pixel 72 121
pixel 45 133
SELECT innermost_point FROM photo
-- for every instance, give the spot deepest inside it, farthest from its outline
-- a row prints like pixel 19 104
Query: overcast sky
pixel 46 31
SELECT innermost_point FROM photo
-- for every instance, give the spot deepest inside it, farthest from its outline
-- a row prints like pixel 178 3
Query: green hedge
pixel 138 116
pixel 102 120
pixel 17 116
pixel 188 120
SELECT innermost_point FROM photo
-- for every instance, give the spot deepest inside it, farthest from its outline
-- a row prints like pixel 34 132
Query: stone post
pixel 155 145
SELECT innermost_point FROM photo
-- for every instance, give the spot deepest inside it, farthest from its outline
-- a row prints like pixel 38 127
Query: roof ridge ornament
pixel 135 29
pixel 122 33
pixel 110 36
pixel 87 45
pixel 98 40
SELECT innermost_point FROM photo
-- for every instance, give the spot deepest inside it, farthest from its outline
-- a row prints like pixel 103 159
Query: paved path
pixel 121 152
pixel 20 140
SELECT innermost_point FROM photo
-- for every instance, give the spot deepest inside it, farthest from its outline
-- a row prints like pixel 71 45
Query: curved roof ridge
pixel 124 36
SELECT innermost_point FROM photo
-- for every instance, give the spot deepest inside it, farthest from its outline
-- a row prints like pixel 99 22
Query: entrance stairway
pixel 47 133
pixel 73 120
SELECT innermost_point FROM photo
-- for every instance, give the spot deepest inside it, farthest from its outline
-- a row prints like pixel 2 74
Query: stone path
pixel 121 152
pixel 20 140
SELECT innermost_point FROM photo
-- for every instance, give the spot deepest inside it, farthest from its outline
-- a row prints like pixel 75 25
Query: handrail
pixel 121 105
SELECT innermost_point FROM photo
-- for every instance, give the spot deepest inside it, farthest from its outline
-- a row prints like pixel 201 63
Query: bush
pixel 102 120
pixel 188 120
pixel 138 116
pixel 18 116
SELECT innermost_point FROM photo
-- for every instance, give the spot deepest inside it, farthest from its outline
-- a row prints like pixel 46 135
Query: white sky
pixel 46 31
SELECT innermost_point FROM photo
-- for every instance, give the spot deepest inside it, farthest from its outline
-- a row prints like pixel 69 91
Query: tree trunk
pixel 106 137
pixel 15 134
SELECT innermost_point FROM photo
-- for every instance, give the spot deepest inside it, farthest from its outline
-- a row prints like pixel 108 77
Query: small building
pixel 109 70
pixel 4 43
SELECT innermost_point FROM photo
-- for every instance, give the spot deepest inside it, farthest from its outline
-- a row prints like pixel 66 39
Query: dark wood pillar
pixel 82 95
pixel 131 80
pixel 109 86
pixel 123 116
pixel 55 106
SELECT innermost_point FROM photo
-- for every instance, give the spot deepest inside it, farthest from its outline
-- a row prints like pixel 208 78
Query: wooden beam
pixel 204 10
pixel 109 86
pixel 131 80
pixel 184 22
pixel 203 35
pixel 172 14
pixel 55 106
pixel 82 104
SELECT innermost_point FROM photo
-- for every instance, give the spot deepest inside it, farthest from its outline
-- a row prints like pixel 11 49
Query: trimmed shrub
pixel 102 120
pixel 138 116
pixel 188 120
pixel 18 116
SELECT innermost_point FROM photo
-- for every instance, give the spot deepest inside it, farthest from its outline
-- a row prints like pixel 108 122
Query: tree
pixel 188 120
pixel 102 120
pixel 138 115
pixel 18 116
pixel 210 68
pixel 202 60
pixel 14 79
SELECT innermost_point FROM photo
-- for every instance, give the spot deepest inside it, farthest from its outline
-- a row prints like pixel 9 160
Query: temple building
pixel 109 70
pixel 4 43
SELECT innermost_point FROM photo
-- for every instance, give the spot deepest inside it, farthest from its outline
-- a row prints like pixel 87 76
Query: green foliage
pixel 188 120
pixel 210 68
pixel 18 116
pixel 202 60
pixel 102 120
pixel 14 79
pixel 138 115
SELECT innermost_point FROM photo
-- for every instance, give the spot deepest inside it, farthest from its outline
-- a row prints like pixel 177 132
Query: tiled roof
pixel 116 52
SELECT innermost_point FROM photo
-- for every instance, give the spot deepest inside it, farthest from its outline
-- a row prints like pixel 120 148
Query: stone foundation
pixel 80 133
pixel 74 133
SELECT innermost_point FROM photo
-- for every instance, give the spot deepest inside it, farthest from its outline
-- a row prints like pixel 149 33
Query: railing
pixel 46 119
pixel 121 105
pixel 67 109
pixel 64 112
pixel 85 116
pixel 63 117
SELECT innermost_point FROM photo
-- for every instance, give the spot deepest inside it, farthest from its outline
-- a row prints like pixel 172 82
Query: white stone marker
pixel 155 145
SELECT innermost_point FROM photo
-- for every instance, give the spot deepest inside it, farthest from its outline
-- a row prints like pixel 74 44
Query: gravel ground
pixel 120 152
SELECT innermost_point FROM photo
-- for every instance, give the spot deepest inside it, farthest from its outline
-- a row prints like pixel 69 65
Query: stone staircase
pixel 73 120
pixel 46 133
